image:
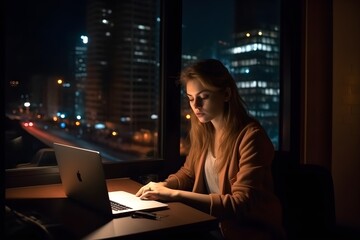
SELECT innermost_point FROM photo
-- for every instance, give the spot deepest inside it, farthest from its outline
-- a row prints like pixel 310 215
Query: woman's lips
pixel 199 114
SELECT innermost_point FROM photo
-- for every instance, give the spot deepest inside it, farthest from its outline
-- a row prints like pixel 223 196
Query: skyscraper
pixel 254 60
pixel 122 67
pixel 80 68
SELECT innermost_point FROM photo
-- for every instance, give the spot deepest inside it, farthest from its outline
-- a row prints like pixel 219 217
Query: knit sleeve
pixel 184 178
pixel 249 178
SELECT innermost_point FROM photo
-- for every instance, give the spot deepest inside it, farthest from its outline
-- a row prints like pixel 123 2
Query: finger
pixel 148 196
pixel 139 193
pixel 143 190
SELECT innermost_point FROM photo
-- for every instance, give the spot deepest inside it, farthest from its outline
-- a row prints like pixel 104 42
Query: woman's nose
pixel 198 103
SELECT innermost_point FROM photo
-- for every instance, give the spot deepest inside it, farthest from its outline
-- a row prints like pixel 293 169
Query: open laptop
pixel 83 179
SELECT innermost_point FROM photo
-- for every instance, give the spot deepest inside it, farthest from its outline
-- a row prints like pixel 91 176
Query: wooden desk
pixel 67 219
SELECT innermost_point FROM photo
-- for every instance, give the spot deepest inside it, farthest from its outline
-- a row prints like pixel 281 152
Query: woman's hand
pixel 156 191
pixel 159 191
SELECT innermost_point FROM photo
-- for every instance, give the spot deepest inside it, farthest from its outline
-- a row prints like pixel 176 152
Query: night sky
pixel 39 35
pixel 204 23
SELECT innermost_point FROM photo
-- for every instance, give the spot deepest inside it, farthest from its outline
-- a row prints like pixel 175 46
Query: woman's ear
pixel 227 94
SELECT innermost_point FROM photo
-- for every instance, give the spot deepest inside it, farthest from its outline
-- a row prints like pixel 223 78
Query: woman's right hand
pixel 156 191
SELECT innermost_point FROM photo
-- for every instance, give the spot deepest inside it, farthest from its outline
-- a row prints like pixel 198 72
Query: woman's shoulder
pixel 253 129
pixel 255 135
pixel 252 125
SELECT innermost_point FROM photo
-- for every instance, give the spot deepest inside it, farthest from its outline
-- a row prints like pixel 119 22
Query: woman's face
pixel 207 105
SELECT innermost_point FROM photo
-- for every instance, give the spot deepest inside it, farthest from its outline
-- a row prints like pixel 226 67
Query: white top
pixel 211 175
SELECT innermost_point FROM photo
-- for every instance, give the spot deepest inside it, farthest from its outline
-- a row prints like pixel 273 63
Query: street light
pixel 27 107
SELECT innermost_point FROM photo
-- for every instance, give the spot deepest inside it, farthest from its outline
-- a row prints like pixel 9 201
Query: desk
pixel 67 219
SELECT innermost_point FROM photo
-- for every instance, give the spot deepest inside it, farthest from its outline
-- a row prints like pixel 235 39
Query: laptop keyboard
pixel 118 207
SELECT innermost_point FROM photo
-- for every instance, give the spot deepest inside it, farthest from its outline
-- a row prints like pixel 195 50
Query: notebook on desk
pixel 83 180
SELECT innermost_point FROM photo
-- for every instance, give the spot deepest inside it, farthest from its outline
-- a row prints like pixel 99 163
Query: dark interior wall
pixel 346 111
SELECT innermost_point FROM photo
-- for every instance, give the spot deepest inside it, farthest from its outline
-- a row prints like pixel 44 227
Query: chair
pixel 43 157
pixel 307 195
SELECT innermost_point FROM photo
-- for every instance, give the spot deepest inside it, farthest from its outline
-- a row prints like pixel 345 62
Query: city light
pixel 85 39
pixel 28 124
pixel 251 47
pixel 99 126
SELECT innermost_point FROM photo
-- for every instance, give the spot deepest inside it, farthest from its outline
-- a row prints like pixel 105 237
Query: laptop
pixel 83 180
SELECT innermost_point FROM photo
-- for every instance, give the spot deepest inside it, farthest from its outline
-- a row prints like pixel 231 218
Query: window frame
pixel 290 81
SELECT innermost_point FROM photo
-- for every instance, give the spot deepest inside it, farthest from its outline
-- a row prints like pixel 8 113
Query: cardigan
pixel 246 203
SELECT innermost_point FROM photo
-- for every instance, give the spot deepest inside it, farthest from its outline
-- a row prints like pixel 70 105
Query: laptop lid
pixel 83 179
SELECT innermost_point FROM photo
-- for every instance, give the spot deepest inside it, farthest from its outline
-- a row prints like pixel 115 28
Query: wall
pixel 330 101
pixel 346 111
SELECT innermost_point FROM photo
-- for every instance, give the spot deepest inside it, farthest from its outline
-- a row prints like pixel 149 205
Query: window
pixel 105 78
pixel 91 78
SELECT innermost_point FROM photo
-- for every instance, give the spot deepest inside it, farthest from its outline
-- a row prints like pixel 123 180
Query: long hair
pixel 213 75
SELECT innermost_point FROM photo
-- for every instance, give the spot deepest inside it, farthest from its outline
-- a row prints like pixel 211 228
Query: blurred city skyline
pixel 40 35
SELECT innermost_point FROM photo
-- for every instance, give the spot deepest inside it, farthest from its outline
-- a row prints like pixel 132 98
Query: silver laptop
pixel 83 179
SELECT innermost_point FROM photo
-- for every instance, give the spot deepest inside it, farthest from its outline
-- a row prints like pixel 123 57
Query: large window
pixel 103 75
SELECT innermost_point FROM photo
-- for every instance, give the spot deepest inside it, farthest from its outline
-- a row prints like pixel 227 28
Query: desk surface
pixel 66 218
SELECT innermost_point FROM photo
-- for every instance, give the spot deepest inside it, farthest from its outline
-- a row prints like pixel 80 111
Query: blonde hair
pixel 213 75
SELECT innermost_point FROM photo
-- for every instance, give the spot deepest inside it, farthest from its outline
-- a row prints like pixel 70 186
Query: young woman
pixel 227 172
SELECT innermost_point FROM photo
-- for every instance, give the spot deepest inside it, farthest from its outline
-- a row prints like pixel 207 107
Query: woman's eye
pixel 199 98
pixel 204 97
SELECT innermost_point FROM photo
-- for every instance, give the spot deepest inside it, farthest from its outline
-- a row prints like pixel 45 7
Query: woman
pixel 227 172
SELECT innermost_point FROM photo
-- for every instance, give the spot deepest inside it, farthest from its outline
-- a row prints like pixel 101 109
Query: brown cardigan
pixel 247 204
